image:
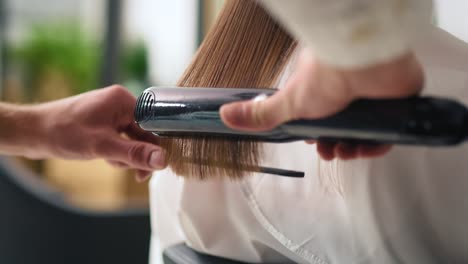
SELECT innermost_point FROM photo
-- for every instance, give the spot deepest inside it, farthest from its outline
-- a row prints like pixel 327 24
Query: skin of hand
pixel 316 90
pixel 96 124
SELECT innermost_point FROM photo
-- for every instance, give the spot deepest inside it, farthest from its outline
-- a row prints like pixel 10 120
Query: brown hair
pixel 245 48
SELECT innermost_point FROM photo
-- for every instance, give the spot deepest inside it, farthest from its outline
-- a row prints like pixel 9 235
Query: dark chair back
pixel 182 254
pixel 38 226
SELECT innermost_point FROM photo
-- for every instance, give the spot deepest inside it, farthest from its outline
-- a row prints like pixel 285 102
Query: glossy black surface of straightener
pixel 429 121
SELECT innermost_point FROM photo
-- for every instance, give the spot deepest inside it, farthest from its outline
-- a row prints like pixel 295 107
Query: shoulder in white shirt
pixel 353 33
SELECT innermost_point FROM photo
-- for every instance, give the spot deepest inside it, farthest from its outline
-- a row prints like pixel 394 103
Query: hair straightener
pixel 425 121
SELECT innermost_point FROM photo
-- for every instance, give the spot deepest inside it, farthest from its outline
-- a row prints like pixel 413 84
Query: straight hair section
pixel 245 48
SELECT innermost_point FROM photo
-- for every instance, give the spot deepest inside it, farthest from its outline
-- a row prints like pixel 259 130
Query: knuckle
pixel 258 113
pixel 118 91
pixel 117 87
pixel 292 107
pixel 119 94
pixel 136 154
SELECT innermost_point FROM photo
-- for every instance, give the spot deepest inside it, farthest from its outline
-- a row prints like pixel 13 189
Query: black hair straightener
pixel 426 121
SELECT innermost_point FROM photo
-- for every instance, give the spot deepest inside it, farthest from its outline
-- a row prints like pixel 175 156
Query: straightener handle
pixel 414 120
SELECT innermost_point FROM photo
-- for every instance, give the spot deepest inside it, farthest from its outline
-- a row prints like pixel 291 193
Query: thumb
pixel 136 154
pixel 258 114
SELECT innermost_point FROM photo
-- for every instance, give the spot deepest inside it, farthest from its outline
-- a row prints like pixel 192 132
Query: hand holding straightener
pixel 316 90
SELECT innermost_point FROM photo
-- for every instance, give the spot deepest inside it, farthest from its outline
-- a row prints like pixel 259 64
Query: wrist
pixel 23 132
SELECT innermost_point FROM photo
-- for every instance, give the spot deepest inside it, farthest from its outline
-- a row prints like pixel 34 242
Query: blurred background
pixel 52 49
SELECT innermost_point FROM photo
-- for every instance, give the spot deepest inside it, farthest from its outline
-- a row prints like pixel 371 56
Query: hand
pixel 316 90
pixel 100 124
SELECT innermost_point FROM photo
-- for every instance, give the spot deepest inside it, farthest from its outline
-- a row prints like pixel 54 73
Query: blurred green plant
pixel 135 67
pixel 64 48
pixel 135 61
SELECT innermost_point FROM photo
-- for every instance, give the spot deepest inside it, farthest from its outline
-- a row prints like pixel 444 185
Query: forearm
pixel 21 131
pixel 353 33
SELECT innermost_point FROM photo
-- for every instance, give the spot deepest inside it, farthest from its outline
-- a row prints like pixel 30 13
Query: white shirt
pixel 353 33
pixel 409 206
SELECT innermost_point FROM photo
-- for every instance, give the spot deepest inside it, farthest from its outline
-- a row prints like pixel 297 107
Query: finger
pixel 118 164
pixel 259 115
pixel 142 175
pixel 326 149
pixel 346 151
pixel 371 151
pixel 136 154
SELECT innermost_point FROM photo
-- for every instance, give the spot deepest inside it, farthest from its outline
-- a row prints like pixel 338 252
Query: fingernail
pixel 156 160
